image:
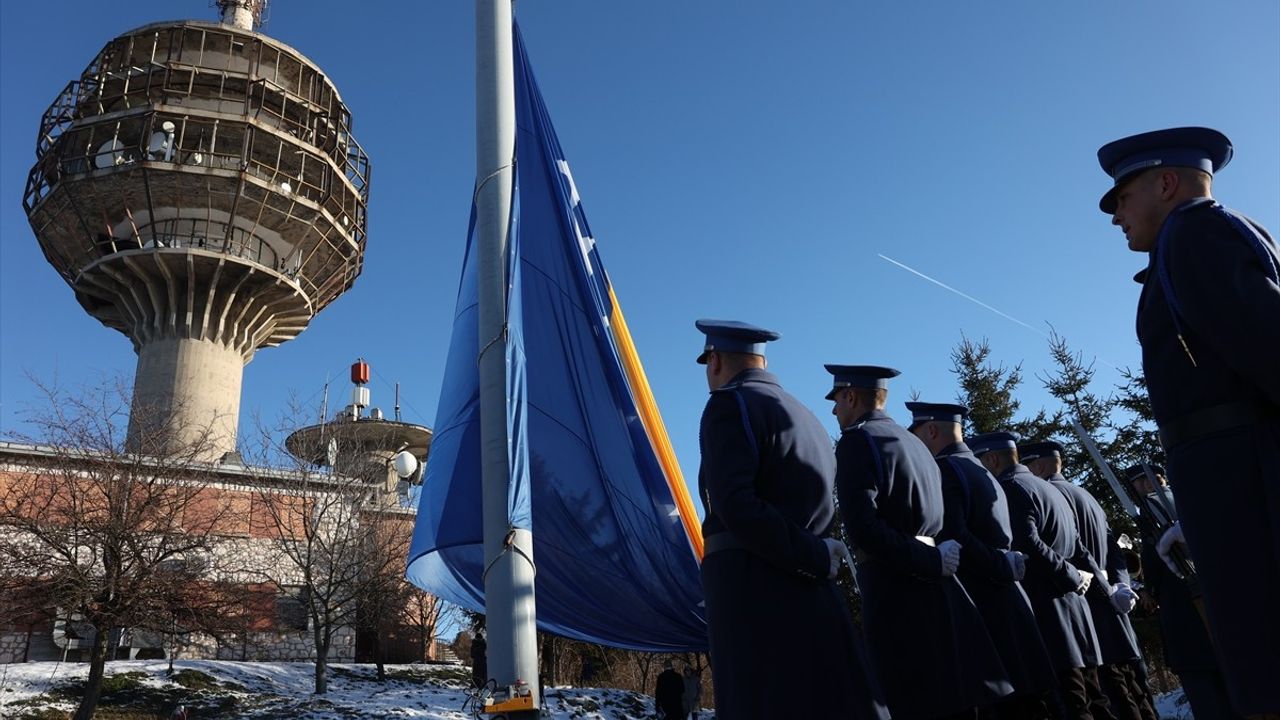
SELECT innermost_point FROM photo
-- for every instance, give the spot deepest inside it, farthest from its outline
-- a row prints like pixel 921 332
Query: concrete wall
pixel 16 646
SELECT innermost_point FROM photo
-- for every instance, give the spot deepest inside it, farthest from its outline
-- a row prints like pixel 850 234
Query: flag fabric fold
pixel 593 475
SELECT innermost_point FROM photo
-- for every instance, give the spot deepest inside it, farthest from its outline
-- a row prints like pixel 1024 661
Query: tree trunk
pixel 97 666
pixel 173 642
pixel 551 677
pixel 379 656
pixel 322 662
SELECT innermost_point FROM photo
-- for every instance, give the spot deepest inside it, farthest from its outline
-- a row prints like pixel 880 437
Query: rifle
pixel 1147 522
pixel 1152 528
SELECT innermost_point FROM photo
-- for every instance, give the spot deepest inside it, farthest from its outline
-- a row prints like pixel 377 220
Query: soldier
pixel 1187 649
pixel 1210 343
pixel 479 659
pixel 977 516
pixel 1045 530
pixel 1110 597
pixel 931 650
pixel 668 696
pixel 766 482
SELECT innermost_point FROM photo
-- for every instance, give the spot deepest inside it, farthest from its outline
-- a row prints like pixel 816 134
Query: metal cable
pixel 509 545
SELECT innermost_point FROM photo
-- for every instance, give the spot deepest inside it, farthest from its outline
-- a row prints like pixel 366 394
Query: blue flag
pixel 593 475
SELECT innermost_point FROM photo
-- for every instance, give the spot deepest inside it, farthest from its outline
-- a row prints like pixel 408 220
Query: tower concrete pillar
pixel 186 396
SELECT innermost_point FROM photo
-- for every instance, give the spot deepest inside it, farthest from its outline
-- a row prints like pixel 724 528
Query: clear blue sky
pixel 744 160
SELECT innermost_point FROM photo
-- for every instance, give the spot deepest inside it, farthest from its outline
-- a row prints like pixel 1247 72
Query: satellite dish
pixel 286 187
pixel 405 463
pixel 197 158
pixel 110 154
pixel 160 146
pixel 168 126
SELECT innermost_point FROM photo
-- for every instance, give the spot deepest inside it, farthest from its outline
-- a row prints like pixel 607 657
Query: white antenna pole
pixel 508 552
pixel 241 14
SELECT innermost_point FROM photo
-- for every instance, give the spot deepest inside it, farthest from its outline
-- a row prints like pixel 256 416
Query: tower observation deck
pixel 200 190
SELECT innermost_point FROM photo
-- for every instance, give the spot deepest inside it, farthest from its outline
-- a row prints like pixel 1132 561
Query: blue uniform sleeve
pixel 730 463
pixel 1084 560
pixel 975 555
pixel 1227 298
pixel 857 485
pixel 1042 560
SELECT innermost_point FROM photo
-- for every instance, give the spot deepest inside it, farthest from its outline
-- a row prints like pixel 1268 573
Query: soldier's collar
pixel 759 375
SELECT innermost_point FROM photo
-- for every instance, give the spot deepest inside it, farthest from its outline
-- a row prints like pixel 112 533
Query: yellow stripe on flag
pixel 653 425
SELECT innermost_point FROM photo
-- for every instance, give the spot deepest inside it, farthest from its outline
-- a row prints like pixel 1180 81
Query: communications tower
pixel 361 442
pixel 199 188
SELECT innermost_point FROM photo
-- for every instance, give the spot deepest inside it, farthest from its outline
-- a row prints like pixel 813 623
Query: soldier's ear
pixel 1167 183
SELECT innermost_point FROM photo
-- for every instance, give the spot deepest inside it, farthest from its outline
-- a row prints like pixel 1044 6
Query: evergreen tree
pixel 1136 439
pixel 989 392
pixel 1070 384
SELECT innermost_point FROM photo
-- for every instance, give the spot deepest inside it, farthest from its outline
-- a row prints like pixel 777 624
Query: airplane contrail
pixel 970 298
pixel 976 301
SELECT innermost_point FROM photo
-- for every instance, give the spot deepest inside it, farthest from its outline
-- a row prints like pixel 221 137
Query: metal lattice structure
pixel 200 182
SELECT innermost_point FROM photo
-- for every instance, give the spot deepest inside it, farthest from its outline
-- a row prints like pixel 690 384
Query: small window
pixel 291 609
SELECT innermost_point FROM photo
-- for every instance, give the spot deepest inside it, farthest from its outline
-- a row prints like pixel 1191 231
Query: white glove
pixel 1123 598
pixel 1017 563
pixel 1086 579
pixel 1165 546
pixel 950 551
pixel 836 552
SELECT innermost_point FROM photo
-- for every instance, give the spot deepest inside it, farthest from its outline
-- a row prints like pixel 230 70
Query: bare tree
pixel 388 604
pixel 426 616
pixel 113 538
pixel 334 538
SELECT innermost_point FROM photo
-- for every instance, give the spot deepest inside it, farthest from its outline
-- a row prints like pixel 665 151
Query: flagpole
pixel 508 552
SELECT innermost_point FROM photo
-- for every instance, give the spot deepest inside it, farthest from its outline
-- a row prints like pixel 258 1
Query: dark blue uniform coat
pixel 1228 479
pixel 1045 529
pixel 977 516
pixel 1187 649
pixel 782 641
pixel 1116 641
pixel 930 646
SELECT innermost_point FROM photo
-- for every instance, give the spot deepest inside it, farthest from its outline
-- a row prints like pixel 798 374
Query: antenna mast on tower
pixel 242 14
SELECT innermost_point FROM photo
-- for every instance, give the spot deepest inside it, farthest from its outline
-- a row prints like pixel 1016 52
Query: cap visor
pixel 702 359
pixel 1108 202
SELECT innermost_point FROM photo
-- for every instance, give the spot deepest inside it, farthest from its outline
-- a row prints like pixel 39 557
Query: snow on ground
pixel 223 689
pixel 1173 706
